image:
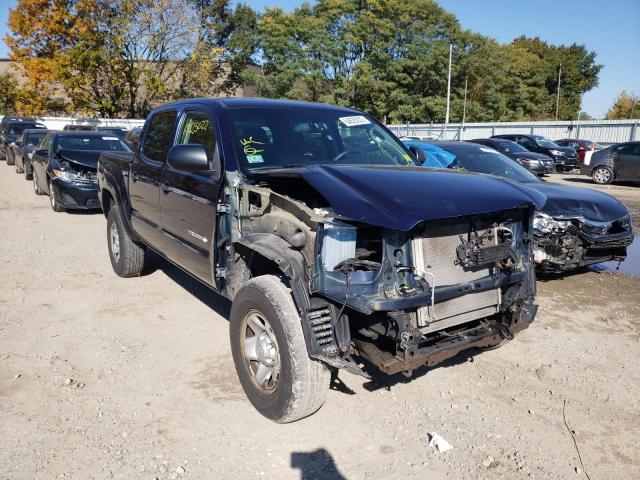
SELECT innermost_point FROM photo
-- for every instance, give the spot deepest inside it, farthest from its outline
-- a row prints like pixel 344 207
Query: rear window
pixel 159 136
pixel 18 128
pixel 93 142
pixel 33 139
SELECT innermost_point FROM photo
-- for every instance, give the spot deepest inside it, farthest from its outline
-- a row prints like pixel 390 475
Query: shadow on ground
pixel 316 465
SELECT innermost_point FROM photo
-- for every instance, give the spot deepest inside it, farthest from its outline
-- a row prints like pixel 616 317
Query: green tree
pixel 626 106
pixel 8 94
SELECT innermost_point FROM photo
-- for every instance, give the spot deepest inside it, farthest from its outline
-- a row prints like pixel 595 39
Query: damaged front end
pixel 398 293
pixel 565 243
pixel 420 297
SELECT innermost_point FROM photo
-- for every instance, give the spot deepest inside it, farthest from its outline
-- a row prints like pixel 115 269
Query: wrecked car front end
pixel 564 243
pixel 393 274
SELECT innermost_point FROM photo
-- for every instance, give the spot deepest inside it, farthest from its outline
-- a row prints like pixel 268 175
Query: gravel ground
pixel 102 377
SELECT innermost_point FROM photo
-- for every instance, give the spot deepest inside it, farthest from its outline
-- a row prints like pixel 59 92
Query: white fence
pixel 58 123
pixel 600 131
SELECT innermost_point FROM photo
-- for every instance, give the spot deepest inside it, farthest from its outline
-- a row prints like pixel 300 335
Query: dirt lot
pixel 102 377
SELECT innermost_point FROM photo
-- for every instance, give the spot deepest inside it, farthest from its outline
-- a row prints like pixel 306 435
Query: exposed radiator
pixel 434 253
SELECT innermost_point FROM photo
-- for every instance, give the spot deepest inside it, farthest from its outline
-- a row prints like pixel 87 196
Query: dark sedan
pixel 537 163
pixel 618 162
pixel 575 227
pixel 582 147
pixel 9 133
pixel 64 167
pixel 565 158
pixel 24 147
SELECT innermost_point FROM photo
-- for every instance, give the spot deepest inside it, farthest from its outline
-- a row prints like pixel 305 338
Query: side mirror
pixel 192 159
pixel 18 144
pixel 418 154
pixel 43 152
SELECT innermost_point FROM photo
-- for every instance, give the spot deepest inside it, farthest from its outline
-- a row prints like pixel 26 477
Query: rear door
pixel 626 160
pixel 146 170
pixel 188 200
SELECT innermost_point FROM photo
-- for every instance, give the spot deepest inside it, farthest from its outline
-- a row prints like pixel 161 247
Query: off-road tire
pixel 602 175
pixel 55 205
pixel 130 260
pixel 36 186
pixel 303 383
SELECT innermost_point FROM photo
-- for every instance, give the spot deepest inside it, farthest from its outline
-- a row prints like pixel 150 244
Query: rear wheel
pixel 127 257
pixel 270 353
pixel 10 158
pixel 55 205
pixel 602 175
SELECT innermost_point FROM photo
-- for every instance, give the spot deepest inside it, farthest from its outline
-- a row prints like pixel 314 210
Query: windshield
pixel 487 160
pixel 287 137
pixel 18 128
pixel 118 132
pixel 33 139
pixel 545 142
pixel 93 142
pixel 509 146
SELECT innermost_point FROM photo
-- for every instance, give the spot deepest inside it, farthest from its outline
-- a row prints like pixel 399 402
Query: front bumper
pixel 76 196
pixel 542 169
pixel 565 162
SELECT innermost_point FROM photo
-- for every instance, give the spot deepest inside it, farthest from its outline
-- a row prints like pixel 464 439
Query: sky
pixel 610 28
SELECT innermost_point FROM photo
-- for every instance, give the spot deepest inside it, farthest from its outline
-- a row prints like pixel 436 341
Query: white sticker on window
pixel 110 138
pixel 488 150
pixel 354 121
pixel 255 159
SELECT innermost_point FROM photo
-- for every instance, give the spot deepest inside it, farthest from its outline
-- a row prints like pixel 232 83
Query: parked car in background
pixel 119 132
pixel 133 137
pixel 537 163
pixel 64 167
pixel 565 158
pixel 580 146
pixel 332 244
pixel 575 226
pixel 9 133
pixel 619 162
pixel 78 128
pixel 23 151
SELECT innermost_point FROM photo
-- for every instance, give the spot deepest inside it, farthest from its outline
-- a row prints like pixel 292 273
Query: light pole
pixel 446 118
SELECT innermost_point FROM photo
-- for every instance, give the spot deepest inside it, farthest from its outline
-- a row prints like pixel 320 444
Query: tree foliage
pixel 626 106
pixel 386 57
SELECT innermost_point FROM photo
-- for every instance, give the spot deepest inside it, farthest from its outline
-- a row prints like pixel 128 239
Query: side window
pixel 630 149
pixel 46 142
pixel 159 136
pixel 197 129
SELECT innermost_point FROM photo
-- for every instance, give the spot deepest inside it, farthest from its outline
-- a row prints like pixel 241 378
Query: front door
pixel 627 161
pixel 188 200
pixel 146 170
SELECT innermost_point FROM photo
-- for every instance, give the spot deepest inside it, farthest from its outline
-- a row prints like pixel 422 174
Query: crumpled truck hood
pixel 86 158
pixel 566 201
pixel 401 197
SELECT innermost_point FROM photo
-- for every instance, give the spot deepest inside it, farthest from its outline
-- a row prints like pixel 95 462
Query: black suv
pixel 566 158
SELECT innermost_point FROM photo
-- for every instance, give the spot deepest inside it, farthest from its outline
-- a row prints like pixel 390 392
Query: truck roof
pixel 247 102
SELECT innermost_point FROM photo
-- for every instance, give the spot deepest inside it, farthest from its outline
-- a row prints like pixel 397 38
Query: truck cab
pixel 336 249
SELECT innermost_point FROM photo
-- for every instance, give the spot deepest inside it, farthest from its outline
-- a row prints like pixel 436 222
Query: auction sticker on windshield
pixel 354 121
pixel 255 159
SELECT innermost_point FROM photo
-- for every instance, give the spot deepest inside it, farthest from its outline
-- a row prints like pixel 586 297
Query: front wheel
pixel 55 205
pixel 270 353
pixel 602 175
pixel 127 257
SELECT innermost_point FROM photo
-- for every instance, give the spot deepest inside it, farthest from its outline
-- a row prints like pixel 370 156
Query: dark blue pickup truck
pixel 335 248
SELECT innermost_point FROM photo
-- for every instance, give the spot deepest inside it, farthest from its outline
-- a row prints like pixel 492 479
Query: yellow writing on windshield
pixel 248 146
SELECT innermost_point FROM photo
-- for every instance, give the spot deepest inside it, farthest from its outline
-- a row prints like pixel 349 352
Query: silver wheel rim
pixel 260 351
pixel 114 242
pixel 602 175
pixel 52 195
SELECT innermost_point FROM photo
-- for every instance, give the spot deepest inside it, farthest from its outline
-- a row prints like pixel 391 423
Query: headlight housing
pixel 544 223
pixel 529 162
pixel 69 176
pixel 556 152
